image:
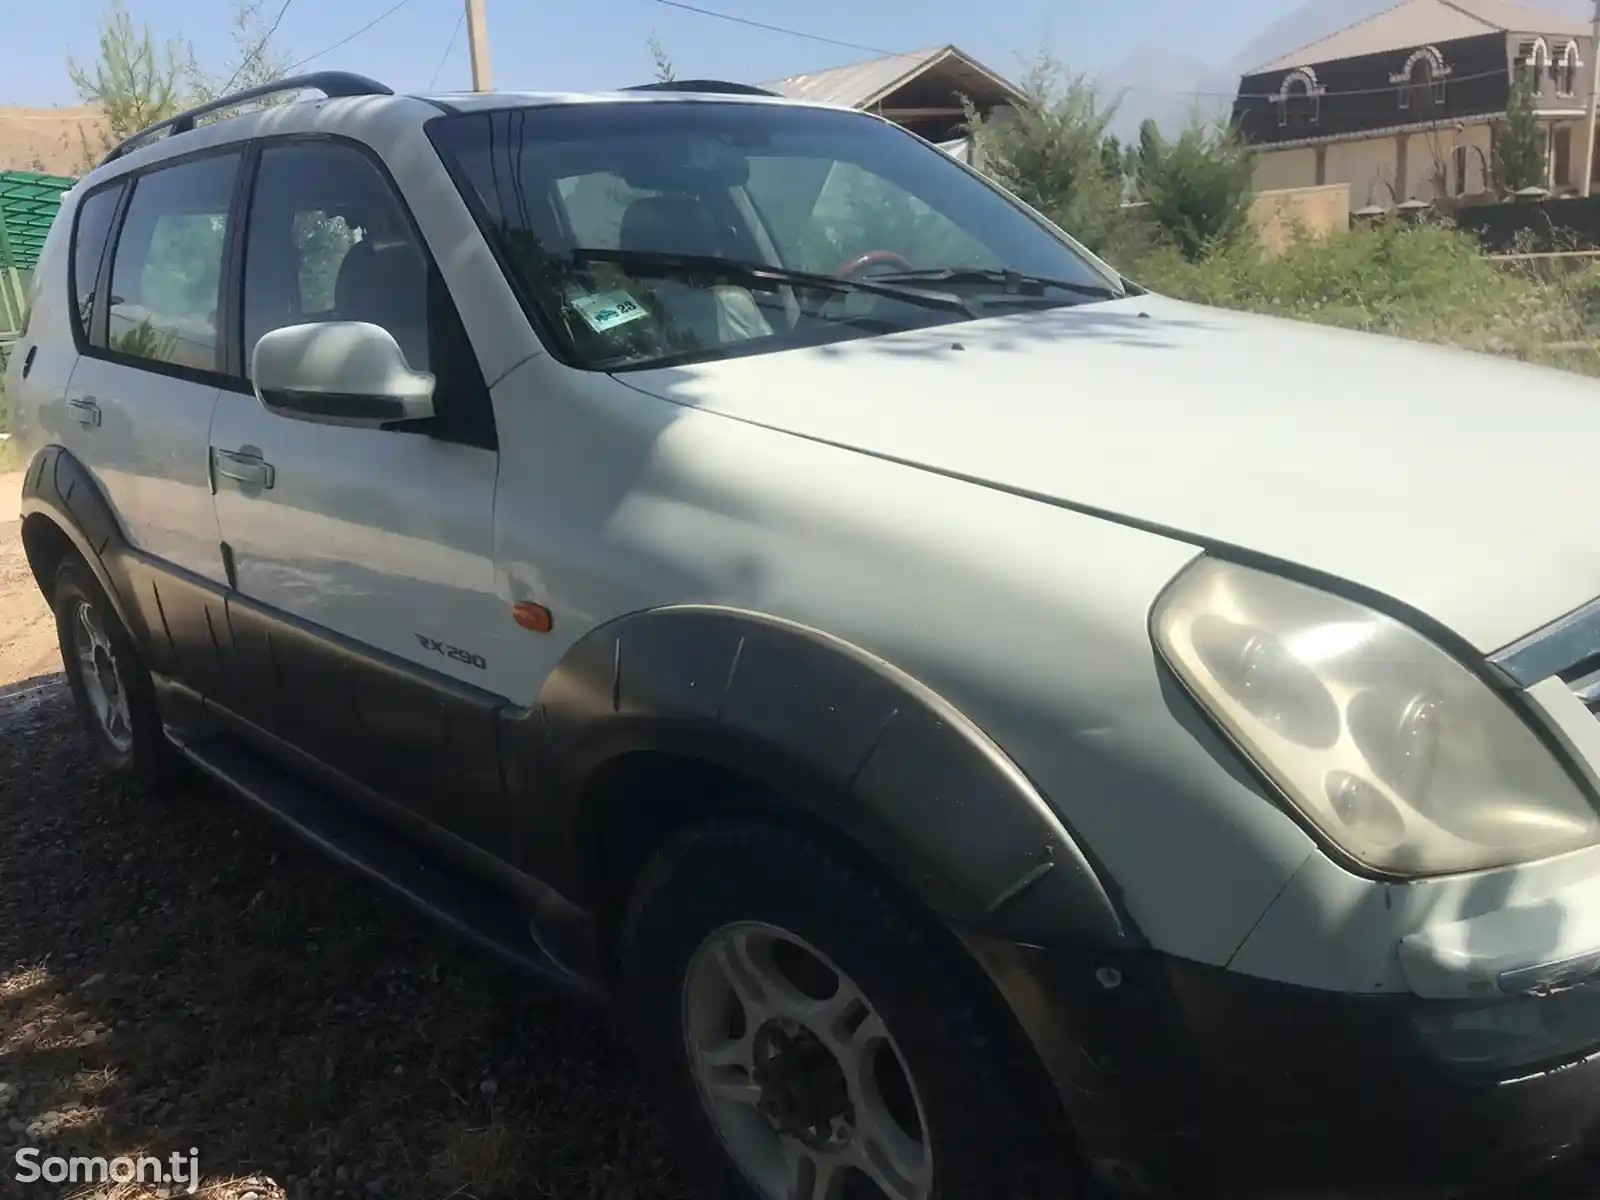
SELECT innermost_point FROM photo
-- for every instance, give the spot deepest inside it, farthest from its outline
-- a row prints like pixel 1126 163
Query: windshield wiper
pixel 1015 282
pixel 654 262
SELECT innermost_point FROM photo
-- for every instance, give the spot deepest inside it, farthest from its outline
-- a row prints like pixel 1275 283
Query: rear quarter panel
pixel 36 403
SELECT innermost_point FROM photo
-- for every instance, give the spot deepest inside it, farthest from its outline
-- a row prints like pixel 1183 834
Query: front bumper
pixel 1180 1077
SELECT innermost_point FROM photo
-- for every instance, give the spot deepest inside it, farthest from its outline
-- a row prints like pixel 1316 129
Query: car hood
pixel 1454 483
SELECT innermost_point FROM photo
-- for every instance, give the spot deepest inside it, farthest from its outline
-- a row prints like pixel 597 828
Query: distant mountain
pixel 55 141
pixel 1173 73
pixel 1312 20
pixel 1167 86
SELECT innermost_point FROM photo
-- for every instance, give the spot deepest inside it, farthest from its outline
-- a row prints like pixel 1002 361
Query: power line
pixel 1392 89
pixel 384 15
pixel 460 17
pixel 261 45
pixel 810 37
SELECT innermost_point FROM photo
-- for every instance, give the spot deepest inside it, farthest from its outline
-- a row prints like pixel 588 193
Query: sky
pixel 538 45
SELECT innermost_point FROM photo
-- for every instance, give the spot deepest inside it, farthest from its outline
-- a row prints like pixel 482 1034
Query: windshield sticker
pixel 607 310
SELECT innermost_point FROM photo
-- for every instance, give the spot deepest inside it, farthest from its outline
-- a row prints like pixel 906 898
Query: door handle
pixel 244 468
pixel 85 412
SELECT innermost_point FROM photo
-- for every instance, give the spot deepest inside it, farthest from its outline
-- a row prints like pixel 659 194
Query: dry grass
pixel 50 140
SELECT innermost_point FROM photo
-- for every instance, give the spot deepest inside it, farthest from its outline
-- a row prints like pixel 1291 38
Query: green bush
pixel 1051 155
pixel 1199 188
pixel 1428 281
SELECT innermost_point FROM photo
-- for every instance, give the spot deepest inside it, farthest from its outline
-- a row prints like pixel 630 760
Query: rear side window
pixel 166 275
pixel 88 244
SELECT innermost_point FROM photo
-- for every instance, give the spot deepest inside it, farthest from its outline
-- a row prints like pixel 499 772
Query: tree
pixel 138 81
pixel 1151 144
pixel 1199 188
pixel 1519 159
pixel 256 60
pixel 134 80
pixel 658 54
pixel 1050 155
pixel 1130 170
pixel 1111 157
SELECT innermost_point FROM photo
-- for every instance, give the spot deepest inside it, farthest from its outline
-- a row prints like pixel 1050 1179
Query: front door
pixel 363 560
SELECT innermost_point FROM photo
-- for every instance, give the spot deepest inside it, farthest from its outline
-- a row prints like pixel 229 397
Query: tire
pixel 130 746
pixel 985 1130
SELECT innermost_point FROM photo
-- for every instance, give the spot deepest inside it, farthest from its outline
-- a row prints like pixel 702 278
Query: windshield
pixel 643 234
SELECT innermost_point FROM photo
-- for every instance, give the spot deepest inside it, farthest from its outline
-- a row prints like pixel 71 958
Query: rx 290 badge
pixel 456 653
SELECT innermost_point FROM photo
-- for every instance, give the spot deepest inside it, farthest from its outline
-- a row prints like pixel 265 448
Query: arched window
pixel 1533 62
pixel 1567 70
pixel 1422 80
pixel 1299 99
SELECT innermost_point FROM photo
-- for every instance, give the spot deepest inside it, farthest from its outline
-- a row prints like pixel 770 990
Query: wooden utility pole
pixel 478 42
pixel 1594 103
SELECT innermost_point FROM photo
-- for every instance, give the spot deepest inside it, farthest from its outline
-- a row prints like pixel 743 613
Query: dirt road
pixel 27 630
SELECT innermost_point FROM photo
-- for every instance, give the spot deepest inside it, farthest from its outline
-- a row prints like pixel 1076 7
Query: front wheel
pixel 813 1036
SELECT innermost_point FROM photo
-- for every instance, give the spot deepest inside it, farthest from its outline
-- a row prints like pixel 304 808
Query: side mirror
pixel 340 373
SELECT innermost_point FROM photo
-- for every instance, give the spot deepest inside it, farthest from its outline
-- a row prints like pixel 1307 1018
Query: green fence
pixel 28 203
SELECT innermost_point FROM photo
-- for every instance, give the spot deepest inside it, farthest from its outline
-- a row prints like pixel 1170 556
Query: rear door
pixel 364 557
pixel 57 323
pixel 142 395
pixel 144 391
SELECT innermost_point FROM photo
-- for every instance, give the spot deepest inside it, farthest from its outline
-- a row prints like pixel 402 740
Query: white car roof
pixel 491 101
pixel 378 117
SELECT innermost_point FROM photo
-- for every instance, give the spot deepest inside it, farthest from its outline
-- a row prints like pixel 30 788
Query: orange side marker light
pixel 531 616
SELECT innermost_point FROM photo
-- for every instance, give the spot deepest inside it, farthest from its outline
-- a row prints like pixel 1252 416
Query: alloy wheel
pixel 799 1074
pixel 102 679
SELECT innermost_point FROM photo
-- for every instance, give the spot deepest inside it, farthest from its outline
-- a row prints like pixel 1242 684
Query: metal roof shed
pixel 920 90
pixel 29 202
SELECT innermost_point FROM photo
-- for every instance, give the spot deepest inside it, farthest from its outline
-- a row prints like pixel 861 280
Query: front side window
pixel 166 275
pixel 329 239
pixel 642 234
pixel 88 245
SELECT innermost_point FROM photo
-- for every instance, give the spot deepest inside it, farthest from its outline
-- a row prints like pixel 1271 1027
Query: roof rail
pixel 329 83
pixel 709 86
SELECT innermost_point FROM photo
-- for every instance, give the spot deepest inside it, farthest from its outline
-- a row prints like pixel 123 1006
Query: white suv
pixel 984 722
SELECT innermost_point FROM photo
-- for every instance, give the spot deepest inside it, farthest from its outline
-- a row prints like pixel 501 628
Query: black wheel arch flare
pixel 845 737
pixel 58 488
pixel 824 727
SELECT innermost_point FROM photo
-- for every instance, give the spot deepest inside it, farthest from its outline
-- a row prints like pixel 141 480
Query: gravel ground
pixel 176 972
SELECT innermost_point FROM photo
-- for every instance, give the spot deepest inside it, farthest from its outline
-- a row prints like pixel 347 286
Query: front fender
pixel 847 738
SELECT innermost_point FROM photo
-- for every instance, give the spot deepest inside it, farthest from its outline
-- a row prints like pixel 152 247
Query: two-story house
pixel 1405 105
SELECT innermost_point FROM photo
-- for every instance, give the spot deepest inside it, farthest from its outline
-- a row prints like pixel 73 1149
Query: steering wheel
pixel 851 267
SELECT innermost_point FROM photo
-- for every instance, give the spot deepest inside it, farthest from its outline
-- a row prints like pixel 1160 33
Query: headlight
pixel 1394 750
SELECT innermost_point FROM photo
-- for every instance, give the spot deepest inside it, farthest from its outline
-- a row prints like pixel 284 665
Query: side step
pixel 344 833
